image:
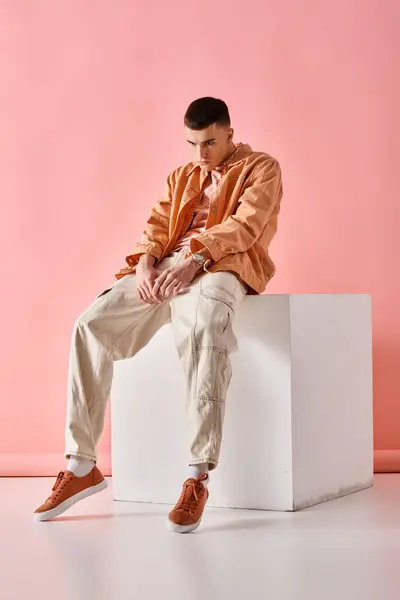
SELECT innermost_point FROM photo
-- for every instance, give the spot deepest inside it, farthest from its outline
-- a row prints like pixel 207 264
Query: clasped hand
pixel 154 288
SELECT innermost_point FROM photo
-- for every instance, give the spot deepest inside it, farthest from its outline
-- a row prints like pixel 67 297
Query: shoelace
pixel 191 494
pixel 59 485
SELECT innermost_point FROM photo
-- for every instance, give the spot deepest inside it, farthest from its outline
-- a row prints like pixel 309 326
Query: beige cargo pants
pixel 117 325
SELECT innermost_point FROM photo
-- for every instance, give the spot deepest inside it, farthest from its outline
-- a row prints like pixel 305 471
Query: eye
pixel 191 143
pixel 210 143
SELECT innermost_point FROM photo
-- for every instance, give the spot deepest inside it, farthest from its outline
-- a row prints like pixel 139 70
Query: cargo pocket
pixel 104 293
pixel 224 287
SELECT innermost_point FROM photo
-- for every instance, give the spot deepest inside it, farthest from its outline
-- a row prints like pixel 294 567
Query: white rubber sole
pixel 58 510
pixel 183 528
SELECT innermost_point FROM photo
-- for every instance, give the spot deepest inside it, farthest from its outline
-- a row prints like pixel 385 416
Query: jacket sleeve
pixel 156 234
pixel 242 229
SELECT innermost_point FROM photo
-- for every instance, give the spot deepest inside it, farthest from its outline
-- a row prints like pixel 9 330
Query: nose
pixel 201 153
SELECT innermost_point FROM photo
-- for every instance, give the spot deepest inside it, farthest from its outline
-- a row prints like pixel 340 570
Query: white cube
pixel 298 426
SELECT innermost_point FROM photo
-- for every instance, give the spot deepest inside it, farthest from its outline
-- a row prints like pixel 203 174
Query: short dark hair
pixel 205 112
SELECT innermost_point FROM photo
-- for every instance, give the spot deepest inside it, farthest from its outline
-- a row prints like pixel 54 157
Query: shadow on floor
pixel 239 525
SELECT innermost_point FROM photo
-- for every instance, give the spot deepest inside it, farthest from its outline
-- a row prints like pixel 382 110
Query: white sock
pixel 196 470
pixel 80 466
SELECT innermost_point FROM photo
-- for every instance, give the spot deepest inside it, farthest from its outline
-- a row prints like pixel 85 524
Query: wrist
pixel 147 260
pixel 197 267
pixel 198 260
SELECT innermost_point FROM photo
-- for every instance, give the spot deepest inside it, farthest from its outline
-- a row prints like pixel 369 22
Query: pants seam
pixel 78 453
pixel 86 404
pixel 110 353
pixel 154 308
pixel 194 345
pixel 213 464
pixel 216 348
pixel 213 432
pixel 217 300
pixel 209 398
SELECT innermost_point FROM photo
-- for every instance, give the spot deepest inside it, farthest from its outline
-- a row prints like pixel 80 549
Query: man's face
pixel 210 146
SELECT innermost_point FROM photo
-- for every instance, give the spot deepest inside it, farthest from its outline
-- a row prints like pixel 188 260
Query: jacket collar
pixel 242 152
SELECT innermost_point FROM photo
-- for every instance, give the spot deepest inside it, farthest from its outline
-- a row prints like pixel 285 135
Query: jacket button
pixel 213 209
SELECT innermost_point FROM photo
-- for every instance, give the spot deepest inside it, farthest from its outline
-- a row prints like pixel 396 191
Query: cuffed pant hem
pixel 212 463
pixel 69 453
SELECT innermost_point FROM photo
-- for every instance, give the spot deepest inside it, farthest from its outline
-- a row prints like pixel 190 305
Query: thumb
pixel 183 291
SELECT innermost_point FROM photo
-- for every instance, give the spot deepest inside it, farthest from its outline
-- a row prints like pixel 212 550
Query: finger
pixel 156 295
pixel 155 299
pixel 145 294
pixel 170 281
pixel 148 291
pixel 150 283
pixel 184 290
pixel 171 289
pixel 159 281
pixel 179 290
pixel 145 299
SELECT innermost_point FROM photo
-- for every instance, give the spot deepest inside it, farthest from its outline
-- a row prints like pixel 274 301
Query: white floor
pixel 348 548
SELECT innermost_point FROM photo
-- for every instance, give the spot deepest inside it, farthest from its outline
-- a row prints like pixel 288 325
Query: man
pixel 205 246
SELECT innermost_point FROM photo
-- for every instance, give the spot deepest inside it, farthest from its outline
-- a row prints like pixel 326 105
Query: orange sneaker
pixel 69 489
pixel 187 514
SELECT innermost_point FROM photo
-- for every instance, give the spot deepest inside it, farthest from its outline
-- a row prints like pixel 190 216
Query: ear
pixel 230 134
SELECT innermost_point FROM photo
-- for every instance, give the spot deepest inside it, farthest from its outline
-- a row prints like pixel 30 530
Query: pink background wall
pixel 91 104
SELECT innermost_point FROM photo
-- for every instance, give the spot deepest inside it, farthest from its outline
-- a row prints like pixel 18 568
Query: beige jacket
pixel 241 224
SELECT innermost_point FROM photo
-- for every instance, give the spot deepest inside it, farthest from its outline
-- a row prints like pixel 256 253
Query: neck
pixel 231 149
